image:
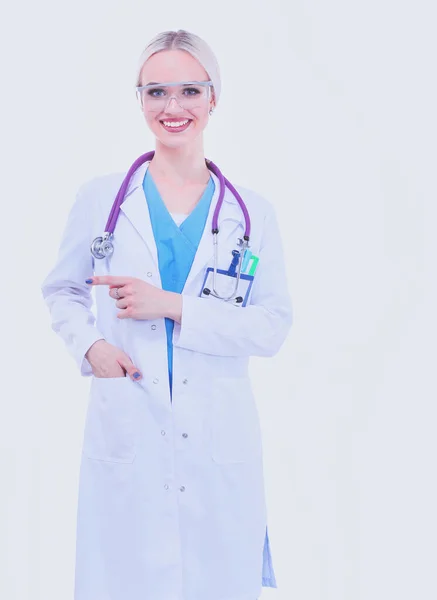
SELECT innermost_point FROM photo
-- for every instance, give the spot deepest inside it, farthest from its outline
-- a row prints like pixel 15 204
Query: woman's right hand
pixel 107 360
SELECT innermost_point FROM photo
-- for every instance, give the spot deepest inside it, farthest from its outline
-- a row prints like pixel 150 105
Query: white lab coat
pixel 171 499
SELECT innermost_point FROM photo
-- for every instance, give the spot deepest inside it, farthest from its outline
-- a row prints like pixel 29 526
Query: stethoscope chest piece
pixel 102 247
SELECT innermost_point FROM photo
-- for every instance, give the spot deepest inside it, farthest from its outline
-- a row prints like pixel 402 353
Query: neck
pixel 182 165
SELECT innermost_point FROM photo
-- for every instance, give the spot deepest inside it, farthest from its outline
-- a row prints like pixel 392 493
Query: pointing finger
pixel 109 280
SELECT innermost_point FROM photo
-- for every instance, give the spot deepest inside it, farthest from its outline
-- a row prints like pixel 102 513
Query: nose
pixel 173 106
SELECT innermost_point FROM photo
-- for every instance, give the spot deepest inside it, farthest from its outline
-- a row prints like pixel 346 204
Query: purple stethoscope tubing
pixel 102 247
pixel 113 215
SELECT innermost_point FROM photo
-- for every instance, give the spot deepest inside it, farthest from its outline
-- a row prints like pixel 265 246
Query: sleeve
pixel 260 328
pixel 64 290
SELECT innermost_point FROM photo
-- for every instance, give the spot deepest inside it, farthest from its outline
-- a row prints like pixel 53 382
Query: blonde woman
pixel 171 502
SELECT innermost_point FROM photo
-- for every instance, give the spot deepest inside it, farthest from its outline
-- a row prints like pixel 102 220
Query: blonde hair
pixel 191 43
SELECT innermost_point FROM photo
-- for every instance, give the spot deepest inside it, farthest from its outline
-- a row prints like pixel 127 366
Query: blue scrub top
pixel 176 245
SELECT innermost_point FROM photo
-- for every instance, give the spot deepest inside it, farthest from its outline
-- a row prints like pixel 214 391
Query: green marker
pixel 255 261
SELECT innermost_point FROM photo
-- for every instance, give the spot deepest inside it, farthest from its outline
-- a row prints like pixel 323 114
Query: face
pixel 169 66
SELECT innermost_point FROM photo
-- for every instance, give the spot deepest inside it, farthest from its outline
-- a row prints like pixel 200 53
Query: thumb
pixel 130 369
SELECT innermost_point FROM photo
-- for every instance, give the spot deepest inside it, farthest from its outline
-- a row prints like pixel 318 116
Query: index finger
pixel 108 280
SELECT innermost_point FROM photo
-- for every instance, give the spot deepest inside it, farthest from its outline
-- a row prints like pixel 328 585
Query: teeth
pixel 175 123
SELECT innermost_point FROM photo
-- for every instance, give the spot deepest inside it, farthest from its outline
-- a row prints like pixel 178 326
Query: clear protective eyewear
pixel 154 97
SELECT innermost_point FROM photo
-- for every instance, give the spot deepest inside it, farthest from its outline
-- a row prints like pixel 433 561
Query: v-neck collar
pixel 205 198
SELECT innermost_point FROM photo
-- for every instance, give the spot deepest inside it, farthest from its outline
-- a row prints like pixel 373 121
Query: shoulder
pixel 259 207
pixel 95 196
pixel 255 201
pixel 102 186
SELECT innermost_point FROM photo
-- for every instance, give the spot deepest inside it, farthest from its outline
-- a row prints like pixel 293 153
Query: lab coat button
pixel 166 486
pixel 156 380
pixel 149 274
pixel 185 381
pixel 185 435
pixel 162 432
pixel 182 488
pixel 153 327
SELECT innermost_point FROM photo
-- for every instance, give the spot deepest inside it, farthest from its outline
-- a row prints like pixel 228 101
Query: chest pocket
pixel 235 434
pixel 110 428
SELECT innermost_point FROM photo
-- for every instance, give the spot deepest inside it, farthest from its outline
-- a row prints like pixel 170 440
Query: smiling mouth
pixel 175 126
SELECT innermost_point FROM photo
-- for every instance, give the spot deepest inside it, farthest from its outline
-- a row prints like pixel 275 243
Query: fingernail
pixel 136 375
pixel 88 281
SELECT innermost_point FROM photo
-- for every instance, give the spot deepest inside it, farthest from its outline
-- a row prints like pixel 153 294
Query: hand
pixel 107 360
pixel 139 299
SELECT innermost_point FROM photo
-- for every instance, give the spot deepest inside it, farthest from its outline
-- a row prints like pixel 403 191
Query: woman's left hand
pixel 140 300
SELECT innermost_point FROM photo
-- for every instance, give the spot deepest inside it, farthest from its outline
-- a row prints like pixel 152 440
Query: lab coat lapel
pixel 231 223
pixel 137 211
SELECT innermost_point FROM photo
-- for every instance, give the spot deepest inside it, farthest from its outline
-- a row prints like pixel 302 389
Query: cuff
pixel 184 332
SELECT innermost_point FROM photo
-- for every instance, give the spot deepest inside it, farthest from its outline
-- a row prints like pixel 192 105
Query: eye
pixel 191 91
pixel 156 92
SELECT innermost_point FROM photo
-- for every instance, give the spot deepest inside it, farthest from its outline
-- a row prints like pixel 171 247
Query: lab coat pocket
pixel 235 428
pixel 110 422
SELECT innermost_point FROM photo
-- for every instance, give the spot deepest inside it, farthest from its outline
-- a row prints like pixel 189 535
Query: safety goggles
pixel 155 97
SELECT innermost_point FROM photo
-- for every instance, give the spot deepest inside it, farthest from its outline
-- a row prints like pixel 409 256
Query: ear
pixel 212 100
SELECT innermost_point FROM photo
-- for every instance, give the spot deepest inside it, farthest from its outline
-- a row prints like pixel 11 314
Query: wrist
pixel 173 308
pixel 93 346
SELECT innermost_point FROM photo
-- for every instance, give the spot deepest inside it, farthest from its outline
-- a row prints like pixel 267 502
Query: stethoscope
pixel 103 247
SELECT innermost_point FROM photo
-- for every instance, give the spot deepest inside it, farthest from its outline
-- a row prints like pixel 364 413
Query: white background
pixel 327 109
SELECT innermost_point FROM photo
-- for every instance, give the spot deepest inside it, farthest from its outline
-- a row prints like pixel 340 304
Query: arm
pixel 258 329
pixel 64 289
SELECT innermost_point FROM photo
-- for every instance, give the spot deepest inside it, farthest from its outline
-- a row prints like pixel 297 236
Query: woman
pixel 171 502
